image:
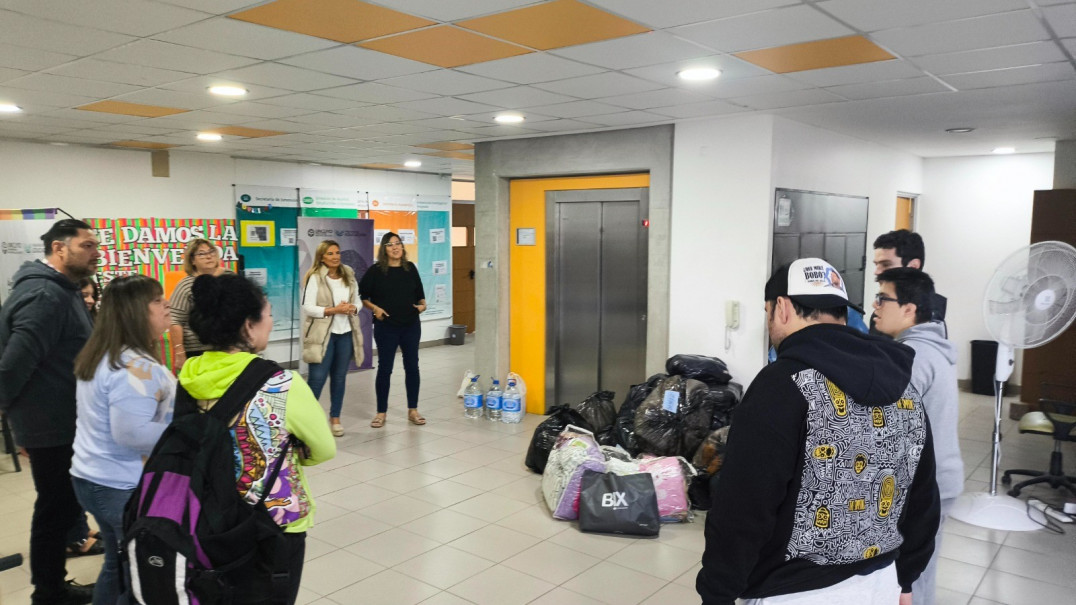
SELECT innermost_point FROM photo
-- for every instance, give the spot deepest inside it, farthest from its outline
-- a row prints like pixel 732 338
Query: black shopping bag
pixel 619 504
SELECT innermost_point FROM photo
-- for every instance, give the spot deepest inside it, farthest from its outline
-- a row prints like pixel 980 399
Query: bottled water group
pixel 499 406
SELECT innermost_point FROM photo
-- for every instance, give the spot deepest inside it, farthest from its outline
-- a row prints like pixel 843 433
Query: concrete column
pixel 1065 165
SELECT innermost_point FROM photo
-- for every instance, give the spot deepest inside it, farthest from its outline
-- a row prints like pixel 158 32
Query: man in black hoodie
pixel 43 326
pixel 827 494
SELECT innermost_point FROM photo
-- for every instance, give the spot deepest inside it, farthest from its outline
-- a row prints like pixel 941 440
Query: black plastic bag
pixel 607 437
pixel 599 410
pixel 697 415
pixel 624 425
pixel 710 370
pixel 698 492
pixel 619 504
pixel 711 454
pixel 658 421
pixel 725 399
pixel 545 435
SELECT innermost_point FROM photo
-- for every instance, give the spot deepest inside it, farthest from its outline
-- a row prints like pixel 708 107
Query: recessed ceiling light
pixel 209 136
pixel 228 91
pixel 412 163
pixel 508 118
pixel 1004 150
pixel 9 108
pixel 696 74
pixel 958 130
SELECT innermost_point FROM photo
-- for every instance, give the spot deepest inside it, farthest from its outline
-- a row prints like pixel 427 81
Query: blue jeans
pixel 333 367
pixel 106 505
pixel 388 337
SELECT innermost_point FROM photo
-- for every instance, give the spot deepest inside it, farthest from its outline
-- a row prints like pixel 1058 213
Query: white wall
pixel 974 212
pixel 97 182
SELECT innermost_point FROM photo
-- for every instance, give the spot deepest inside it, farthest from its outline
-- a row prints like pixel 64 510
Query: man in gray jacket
pixel 43 326
pixel 903 311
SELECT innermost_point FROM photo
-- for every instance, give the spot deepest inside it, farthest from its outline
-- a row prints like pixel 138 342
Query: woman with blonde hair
pixel 200 258
pixel 331 333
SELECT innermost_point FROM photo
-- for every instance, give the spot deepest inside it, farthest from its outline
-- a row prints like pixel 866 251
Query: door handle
pixel 642 317
pixel 471 273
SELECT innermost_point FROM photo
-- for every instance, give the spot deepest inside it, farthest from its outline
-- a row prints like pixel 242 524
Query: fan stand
pixel 993 510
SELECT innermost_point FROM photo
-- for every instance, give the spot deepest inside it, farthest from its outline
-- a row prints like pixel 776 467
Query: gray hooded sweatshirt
pixel 934 376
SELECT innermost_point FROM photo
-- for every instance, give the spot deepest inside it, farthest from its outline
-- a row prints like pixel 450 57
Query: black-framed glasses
pixel 206 253
pixel 880 299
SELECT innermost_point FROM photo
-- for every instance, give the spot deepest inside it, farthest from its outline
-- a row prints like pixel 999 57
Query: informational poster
pixel 266 197
pixel 332 202
pixel 269 260
pixel 355 238
pixel 20 241
pixel 435 260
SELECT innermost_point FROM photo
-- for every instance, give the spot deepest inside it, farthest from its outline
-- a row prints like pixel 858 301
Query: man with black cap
pixel 827 494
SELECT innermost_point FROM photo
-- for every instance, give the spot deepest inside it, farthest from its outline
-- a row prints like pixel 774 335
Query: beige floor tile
pixel 656 559
pixel 1046 568
pixel 944 596
pixel 447 445
pixel 595 545
pixel 479 454
pixel 341 460
pixel 392 547
pixel 366 470
pixel 409 458
pixel 315 548
pixel 1057 545
pixel 446 598
pixel 495 543
pixel 550 562
pixel 444 526
pixel 675 593
pixel 329 573
pixel 324 511
pixel 405 481
pixel 535 521
pixel 445 468
pixel 489 507
pixel 386 588
pixel 400 510
pixel 348 529
pixel 445 493
pixel 686 536
pixel 357 496
pixel 614 584
pixel 688 577
pixel 968 550
pixel 443 567
pixel 959 577
pixel 562 596
pixel 1017 590
pixel 485 478
pixel 952 526
pixel 307 596
pixel 501 586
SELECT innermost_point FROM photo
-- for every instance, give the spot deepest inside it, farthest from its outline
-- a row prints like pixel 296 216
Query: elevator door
pixel 596 289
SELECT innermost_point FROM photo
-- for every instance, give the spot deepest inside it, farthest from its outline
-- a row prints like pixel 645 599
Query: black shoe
pixel 73 593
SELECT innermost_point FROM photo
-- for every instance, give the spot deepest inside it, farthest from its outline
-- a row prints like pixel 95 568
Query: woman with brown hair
pixel 331 333
pixel 125 399
pixel 200 258
pixel 392 290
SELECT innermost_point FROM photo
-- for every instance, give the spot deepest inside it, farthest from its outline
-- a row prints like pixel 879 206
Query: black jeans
pixel 55 511
pixel 388 337
pixel 297 547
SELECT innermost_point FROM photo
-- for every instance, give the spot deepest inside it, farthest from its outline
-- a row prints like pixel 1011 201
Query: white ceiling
pixel 1004 67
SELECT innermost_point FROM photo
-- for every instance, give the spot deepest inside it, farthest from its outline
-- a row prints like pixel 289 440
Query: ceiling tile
pixel 201 84
pixel 681 12
pixel 1062 18
pixel 336 120
pixel 142 145
pixel 244 39
pixel 966 34
pixel 171 98
pixel 731 69
pixel 554 25
pixel 448 146
pixel 818 54
pixel 456 9
pixel 313 102
pixel 104 119
pixel 446 106
pixel 391 128
pixel 30 59
pixel 7 74
pixel 137 127
pixel 132 17
pixel 575 109
pixel 1013 76
pixel 449 123
pixel 599 85
pixel 387 113
pixel 656 98
pixel 77 86
pixel 855 74
pixel 755 86
pixel 792 98
pixel 874 15
pixel 991 58
pixel 500 131
pixel 164 55
pixel 1070 44
pixel 31 98
pixel 446 82
pixel 893 88
pixel 261 110
pixel 515 98
pixel 132 109
pixel 201 118
pixel 357 63
pixel 250 133
pixel 698 110
pixel 628 118
pixel 456 155
pixel 445 46
pixel 109 71
pixel 532 68
pixel 372 92
pixel 634 51
pixel 274 74
pixel 562 125
pixel 764 30
pixel 217 7
pixel 22 30
pixel 340 20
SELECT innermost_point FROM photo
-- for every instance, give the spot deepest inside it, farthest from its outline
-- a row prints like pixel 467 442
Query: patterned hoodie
pixel 284 406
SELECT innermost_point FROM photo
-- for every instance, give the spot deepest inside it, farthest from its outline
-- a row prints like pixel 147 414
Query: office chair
pixel 1057 419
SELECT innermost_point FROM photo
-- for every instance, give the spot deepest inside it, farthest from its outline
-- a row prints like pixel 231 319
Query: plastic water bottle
pixel 512 404
pixel 493 401
pixel 472 400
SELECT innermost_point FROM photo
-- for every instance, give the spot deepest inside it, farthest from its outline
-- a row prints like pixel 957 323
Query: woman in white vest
pixel 331 334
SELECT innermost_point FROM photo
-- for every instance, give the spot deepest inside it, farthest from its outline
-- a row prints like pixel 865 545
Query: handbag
pixel 619 504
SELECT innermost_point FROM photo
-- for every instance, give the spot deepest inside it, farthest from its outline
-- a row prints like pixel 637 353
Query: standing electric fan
pixel 1030 300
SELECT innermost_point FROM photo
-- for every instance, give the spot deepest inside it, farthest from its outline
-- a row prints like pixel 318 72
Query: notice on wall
pixel 287 237
pixel 440 267
pixel 266 197
pixel 437 236
pixel 407 236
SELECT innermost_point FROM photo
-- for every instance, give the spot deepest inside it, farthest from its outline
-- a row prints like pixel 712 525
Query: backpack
pixel 189 537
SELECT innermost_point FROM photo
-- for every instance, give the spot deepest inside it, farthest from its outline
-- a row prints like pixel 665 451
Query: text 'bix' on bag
pixel 619 504
pixel 189 537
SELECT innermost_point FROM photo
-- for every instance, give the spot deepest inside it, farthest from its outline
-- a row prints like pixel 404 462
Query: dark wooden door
pixel 463 307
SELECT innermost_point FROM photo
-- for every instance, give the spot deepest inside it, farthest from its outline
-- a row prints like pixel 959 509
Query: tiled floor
pixel 446 514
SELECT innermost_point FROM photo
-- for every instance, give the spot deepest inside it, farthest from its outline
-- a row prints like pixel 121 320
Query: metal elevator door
pixel 596 307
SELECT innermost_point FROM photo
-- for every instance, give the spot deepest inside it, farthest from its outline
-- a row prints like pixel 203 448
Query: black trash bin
pixel 984 355
pixel 456 334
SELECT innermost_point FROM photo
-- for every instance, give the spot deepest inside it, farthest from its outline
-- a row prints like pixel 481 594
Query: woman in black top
pixel 392 290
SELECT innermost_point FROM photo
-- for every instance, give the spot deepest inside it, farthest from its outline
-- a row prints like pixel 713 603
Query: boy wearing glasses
pixel 902 311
